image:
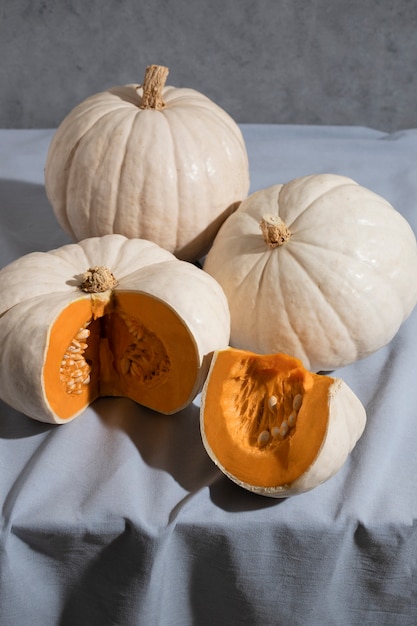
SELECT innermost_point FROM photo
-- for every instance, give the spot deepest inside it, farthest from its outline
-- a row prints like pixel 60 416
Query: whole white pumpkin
pixel 320 268
pixel 108 316
pixel 154 162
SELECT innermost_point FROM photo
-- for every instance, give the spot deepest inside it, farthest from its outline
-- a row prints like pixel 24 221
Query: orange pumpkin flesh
pixel 264 417
pixel 128 344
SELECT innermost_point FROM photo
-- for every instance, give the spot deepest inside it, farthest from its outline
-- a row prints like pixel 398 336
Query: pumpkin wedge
pixel 274 427
pixel 109 316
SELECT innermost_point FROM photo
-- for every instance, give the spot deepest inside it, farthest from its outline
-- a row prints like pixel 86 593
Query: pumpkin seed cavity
pixel 276 425
pixel 145 358
pixel 74 371
pixel 267 419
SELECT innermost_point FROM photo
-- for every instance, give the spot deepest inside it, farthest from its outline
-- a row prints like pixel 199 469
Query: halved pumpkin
pixel 274 427
pixel 109 316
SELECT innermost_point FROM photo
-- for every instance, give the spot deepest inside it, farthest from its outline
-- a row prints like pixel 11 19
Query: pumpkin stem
pixel 97 280
pixel 153 84
pixel 274 231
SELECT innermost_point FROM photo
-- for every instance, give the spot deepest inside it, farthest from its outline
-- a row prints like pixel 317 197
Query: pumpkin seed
pixel 145 357
pixel 74 369
pixel 283 429
pixel 297 402
pixel 292 419
pixel 275 431
pixel 125 365
pixel 263 438
pixel 272 402
pixel 84 333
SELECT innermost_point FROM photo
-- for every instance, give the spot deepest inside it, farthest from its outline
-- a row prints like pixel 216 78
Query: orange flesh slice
pixel 265 417
pixel 133 345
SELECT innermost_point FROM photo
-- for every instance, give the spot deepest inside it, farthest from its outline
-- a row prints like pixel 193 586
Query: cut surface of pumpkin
pixel 266 421
pixel 126 346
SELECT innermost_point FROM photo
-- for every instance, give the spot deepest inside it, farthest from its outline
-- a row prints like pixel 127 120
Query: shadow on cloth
pixel 167 442
pixel 114 584
pixel 15 425
pixel 173 443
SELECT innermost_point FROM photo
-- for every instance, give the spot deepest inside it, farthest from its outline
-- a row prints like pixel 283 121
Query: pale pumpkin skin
pixel 171 175
pixel 344 418
pixel 336 290
pixel 37 288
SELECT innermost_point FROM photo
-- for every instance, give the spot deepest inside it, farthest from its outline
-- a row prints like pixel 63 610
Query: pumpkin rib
pixel 213 114
pixel 262 263
pixel 173 94
pixel 331 313
pixel 379 273
pixel 71 195
pixel 183 118
pixel 75 254
pixel 184 223
pixel 117 253
pixel 129 94
pixel 378 203
pixel 120 170
pixel 96 103
pixel 270 260
pixel 345 316
pixel 160 222
pixel 193 99
pixel 233 137
pixel 19 283
pixel 209 191
pixel 317 200
pixel 177 193
pixel 376 271
pixel 61 213
pixel 112 210
pixel 128 246
pixel 85 146
pixel 82 112
pixel 292 188
pixel 54 183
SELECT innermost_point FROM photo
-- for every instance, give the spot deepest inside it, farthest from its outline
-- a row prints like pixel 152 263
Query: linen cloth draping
pixel 120 518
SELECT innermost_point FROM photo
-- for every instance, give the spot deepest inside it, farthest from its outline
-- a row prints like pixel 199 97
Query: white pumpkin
pixel 154 162
pixel 320 268
pixel 107 316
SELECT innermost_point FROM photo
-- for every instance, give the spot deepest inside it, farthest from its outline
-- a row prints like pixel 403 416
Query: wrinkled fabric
pixel 120 517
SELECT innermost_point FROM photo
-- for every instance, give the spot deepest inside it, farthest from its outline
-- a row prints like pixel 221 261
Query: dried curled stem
pixel 97 280
pixel 274 231
pixel 153 84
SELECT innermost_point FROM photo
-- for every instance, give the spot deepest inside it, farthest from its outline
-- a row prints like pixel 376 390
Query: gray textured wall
pixel 279 61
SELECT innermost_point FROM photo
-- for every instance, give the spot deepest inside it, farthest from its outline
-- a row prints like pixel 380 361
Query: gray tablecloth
pixel 119 517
